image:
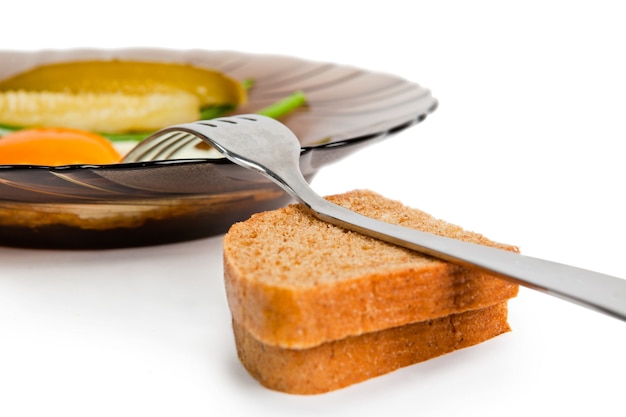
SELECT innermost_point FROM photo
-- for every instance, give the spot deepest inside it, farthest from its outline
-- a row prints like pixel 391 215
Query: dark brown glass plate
pixel 137 204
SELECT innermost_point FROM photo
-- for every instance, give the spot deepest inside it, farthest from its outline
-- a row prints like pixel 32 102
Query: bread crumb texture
pixel 293 281
pixel 338 364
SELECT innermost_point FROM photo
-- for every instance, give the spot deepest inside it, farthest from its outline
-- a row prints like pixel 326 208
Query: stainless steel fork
pixel 268 147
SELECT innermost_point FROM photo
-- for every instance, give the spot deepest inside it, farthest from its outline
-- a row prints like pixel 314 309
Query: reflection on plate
pixel 150 203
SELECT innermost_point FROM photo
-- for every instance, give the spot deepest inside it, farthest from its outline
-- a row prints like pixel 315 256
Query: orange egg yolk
pixel 56 146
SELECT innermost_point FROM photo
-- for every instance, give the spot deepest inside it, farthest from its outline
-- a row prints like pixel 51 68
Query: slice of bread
pixel 295 282
pixel 338 364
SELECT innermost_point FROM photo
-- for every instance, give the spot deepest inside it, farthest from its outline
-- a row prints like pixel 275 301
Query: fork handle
pixel 600 292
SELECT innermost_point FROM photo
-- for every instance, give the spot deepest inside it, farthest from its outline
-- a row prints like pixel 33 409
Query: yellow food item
pixel 114 96
pixel 211 87
pixel 103 112
pixel 56 146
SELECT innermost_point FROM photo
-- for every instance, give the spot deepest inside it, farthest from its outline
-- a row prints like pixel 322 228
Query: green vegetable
pixel 126 137
pixel 6 129
pixel 212 112
pixel 284 106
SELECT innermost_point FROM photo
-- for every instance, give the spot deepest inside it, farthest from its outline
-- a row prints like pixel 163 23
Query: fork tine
pixel 177 143
pixel 162 145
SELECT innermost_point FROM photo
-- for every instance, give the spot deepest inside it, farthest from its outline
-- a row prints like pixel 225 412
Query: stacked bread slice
pixel 316 307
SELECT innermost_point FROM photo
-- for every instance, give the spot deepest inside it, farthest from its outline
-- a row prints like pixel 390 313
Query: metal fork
pixel 268 147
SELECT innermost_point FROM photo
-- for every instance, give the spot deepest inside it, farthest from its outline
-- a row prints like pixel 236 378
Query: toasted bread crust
pixel 344 362
pixel 293 281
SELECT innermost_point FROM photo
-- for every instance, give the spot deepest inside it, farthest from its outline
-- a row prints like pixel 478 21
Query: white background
pixel 526 148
